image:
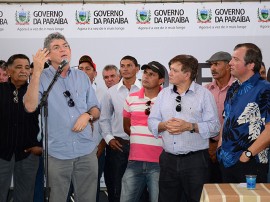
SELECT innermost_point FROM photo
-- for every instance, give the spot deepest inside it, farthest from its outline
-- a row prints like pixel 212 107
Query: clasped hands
pixel 176 126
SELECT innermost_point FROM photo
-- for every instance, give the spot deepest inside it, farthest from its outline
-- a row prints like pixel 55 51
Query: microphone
pixel 62 64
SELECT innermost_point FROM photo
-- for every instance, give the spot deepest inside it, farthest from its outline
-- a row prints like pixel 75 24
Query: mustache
pixel 213 72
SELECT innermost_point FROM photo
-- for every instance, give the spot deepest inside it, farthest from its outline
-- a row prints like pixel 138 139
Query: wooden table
pixel 235 193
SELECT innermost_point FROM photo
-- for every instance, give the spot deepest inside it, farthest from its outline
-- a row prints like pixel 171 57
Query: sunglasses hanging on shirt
pixel 148 109
pixel 67 94
pixel 15 99
pixel 178 107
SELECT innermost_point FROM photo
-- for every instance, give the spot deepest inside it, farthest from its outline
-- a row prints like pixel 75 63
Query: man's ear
pixel 251 66
pixel 161 81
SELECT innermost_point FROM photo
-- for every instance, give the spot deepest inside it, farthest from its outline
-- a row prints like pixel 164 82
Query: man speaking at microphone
pixel 72 103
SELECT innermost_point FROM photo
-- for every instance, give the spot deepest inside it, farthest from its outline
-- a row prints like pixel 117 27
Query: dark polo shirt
pixel 18 128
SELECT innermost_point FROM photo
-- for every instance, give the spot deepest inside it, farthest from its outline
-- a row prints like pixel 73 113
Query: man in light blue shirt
pixel 72 103
pixel 185 114
pixel 111 123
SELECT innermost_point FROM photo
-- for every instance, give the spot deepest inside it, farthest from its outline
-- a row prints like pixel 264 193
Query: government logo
pixel 83 17
pixel 204 15
pixel 143 16
pixel 263 15
pixel 22 17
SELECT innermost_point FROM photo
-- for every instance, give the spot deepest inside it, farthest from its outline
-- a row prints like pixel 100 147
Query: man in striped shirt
pixel 145 149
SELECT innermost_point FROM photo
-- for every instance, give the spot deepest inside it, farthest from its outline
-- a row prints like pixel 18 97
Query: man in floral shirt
pixel 246 130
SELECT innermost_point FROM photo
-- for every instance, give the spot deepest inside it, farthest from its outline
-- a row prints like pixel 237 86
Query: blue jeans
pixel 137 175
pixel 115 166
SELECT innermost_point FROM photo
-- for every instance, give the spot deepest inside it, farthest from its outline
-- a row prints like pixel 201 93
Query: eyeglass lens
pixel 148 109
pixel 178 107
pixel 67 94
pixel 15 99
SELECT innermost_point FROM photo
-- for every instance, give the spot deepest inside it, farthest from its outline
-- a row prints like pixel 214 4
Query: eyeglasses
pixel 148 109
pixel 67 94
pixel 56 48
pixel 15 99
pixel 178 107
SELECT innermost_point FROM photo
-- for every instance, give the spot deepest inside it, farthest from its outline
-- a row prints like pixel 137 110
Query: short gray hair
pixel 48 40
pixel 111 67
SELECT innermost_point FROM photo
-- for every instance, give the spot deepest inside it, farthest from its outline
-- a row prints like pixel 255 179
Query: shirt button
pixel 174 143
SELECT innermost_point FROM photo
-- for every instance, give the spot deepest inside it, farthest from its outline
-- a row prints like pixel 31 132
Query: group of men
pixel 155 137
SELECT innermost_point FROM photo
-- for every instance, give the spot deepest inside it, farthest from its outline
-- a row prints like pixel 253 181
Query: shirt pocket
pixel 80 99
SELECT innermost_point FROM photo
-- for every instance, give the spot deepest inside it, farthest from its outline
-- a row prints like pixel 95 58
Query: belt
pixel 187 154
pixel 121 140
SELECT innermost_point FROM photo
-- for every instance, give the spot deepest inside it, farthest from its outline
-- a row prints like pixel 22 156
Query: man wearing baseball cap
pixel 220 69
pixel 143 166
pixel 87 65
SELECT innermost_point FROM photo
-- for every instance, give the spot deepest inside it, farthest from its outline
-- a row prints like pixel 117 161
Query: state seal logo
pixel 263 15
pixel 22 17
pixel 143 16
pixel 83 17
pixel 204 15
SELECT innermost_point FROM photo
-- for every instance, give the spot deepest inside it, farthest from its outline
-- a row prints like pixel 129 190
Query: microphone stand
pixel 44 104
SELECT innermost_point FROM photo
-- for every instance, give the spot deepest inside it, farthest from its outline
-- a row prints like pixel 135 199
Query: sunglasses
pixel 15 99
pixel 178 107
pixel 67 94
pixel 148 109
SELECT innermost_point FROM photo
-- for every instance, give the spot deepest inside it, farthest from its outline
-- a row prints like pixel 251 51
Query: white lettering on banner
pixel 169 12
pixel 48 14
pixel 108 13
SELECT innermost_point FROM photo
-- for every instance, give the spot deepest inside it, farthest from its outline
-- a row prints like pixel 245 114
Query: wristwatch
pixel 193 128
pixel 248 154
pixel 91 118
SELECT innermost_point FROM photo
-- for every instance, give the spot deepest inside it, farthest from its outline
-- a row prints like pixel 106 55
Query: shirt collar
pixel 252 80
pixel 53 70
pixel 137 83
pixel 191 88
pixel 142 94
pixel 13 86
pixel 214 83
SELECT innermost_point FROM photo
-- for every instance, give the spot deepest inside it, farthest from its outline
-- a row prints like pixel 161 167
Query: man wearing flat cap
pixel 143 166
pixel 221 72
